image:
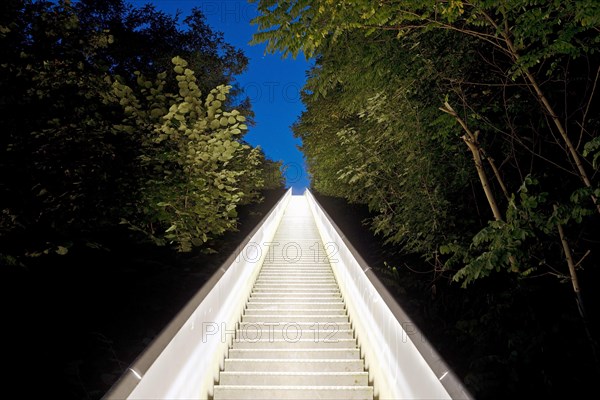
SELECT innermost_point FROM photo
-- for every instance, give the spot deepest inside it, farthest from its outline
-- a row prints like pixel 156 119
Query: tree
pixel 71 169
pixel 189 191
pixel 366 139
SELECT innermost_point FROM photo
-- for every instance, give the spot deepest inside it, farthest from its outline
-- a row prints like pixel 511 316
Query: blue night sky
pixel 272 83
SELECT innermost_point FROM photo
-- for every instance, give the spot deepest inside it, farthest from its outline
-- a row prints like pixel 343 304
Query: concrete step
pixel 296 295
pixel 283 263
pixel 299 311
pixel 293 365
pixel 298 248
pixel 296 268
pixel 281 297
pixel 294 318
pixel 295 281
pixel 307 238
pixel 333 305
pixel 295 378
pixel 248 392
pixel 305 326
pixel 248 333
pixel 293 261
pixel 297 277
pixel 304 272
pixel 334 354
pixel 300 279
pixel 295 289
pixel 293 275
pixel 292 341
pixel 300 285
pixel 296 286
pixel 277 298
pixel 293 267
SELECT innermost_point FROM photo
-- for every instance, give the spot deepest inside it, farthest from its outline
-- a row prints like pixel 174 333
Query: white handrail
pixel 184 361
pixel 401 363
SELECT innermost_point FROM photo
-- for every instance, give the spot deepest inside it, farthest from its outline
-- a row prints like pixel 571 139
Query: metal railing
pixel 185 359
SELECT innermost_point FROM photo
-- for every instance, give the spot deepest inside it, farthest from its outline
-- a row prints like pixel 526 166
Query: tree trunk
pixel 572 271
pixel 483 177
pixel 470 139
pixel 577 290
pixel 496 173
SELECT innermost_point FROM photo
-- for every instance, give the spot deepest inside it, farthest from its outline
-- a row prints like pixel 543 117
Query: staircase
pixel 295 339
pixel 295 314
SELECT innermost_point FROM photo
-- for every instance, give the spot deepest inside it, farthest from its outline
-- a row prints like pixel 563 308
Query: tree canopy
pixel 469 128
pixel 113 114
pixel 520 74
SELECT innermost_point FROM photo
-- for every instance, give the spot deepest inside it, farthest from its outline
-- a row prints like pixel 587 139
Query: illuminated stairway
pixel 293 313
pixel 295 340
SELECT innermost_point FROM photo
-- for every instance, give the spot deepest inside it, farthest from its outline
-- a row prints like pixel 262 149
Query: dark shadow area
pixel 74 323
